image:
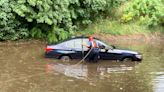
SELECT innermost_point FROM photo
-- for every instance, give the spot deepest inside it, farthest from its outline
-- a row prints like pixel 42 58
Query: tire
pixel 65 58
pixel 127 59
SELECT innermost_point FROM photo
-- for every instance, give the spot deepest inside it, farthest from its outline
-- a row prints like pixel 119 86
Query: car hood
pixel 122 51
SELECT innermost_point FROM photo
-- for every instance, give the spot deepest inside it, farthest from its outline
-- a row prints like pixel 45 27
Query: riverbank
pixel 115 27
pixel 112 30
pixel 111 39
pixel 146 38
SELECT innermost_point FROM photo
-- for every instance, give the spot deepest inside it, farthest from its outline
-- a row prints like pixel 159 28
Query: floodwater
pixel 23 68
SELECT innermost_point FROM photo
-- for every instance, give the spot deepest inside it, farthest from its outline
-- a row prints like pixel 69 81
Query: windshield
pixel 104 44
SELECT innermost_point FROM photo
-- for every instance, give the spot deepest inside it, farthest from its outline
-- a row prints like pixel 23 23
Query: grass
pixel 114 27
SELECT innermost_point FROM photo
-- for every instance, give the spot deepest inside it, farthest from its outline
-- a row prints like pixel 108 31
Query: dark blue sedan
pixel 73 49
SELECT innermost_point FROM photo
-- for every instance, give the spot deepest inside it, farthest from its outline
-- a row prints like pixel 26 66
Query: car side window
pixel 85 41
pixel 67 44
pixel 70 44
pixel 101 43
pixel 78 43
pixel 73 44
pixel 63 44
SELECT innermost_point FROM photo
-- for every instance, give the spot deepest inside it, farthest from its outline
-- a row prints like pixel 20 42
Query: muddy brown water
pixel 23 68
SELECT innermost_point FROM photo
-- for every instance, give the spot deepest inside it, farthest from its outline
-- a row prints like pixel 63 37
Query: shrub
pixel 51 19
pixel 149 12
pixel 10 27
pixel 65 15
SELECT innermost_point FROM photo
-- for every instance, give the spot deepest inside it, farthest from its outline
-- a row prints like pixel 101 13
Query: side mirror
pixel 114 47
pixel 102 47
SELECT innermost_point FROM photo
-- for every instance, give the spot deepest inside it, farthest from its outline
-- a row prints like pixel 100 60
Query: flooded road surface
pixel 23 68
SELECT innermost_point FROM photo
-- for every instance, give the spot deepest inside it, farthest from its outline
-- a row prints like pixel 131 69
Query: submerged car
pixel 73 49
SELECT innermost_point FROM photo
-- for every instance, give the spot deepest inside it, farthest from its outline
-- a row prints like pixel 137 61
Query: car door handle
pixel 73 50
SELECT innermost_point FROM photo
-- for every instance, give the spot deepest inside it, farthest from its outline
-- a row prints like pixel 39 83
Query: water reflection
pixel 78 71
pixel 159 81
pixel 85 71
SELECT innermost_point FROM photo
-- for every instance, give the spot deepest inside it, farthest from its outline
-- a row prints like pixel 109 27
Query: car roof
pixel 71 38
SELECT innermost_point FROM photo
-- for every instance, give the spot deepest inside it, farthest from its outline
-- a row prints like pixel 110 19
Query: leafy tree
pixel 10 27
pixel 51 19
pixel 149 12
pixel 63 15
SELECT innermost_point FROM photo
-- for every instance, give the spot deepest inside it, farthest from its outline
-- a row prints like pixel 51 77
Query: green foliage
pixel 65 15
pixel 114 27
pixel 62 13
pixel 10 27
pixel 49 19
pixel 37 33
pixel 57 34
pixel 115 3
pixel 149 12
pixel 52 35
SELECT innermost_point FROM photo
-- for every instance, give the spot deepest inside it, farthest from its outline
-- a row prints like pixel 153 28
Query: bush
pixel 10 27
pixel 65 15
pixel 149 12
pixel 49 19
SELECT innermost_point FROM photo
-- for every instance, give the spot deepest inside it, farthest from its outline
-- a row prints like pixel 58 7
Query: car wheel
pixel 127 59
pixel 65 58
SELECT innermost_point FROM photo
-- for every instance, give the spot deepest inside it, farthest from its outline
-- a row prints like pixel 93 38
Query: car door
pixel 85 49
pixel 78 48
pixel 110 55
pixel 108 52
pixel 74 47
pixel 68 48
pixel 107 55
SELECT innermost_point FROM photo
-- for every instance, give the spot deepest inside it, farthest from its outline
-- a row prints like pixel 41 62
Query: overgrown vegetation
pixel 10 27
pixel 148 12
pixel 51 19
pixel 56 20
pixel 114 27
pixel 131 18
